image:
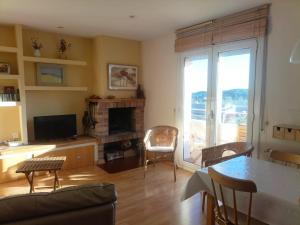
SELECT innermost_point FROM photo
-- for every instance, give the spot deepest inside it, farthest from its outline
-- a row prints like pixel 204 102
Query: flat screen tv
pixel 55 127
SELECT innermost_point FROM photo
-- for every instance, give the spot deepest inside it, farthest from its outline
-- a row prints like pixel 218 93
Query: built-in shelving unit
pixel 16 50
pixel 9 77
pixel 11 49
pixel 54 88
pixel 54 61
pixel 9 104
pixel 8 49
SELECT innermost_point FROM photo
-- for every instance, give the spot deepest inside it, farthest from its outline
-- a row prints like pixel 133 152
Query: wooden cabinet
pixel 287 132
pixel 9 166
pixel 278 132
pixel 77 157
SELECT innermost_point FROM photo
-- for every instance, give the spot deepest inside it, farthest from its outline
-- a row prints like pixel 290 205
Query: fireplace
pixel 120 120
pixel 117 120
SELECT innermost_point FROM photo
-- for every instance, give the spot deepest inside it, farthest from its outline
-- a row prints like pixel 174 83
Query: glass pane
pixel 232 96
pixel 195 107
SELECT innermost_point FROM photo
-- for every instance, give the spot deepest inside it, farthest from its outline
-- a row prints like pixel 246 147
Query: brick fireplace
pixel 103 108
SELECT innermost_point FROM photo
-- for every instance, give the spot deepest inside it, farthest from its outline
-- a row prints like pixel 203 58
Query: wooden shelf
pixel 80 140
pixel 9 77
pixel 54 61
pixel 9 104
pixel 8 49
pixel 54 88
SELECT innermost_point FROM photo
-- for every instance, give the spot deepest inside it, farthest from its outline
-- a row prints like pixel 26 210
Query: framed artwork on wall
pixel 122 77
pixel 50 74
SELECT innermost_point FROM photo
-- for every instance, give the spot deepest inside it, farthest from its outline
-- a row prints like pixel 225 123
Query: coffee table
pixel 51 164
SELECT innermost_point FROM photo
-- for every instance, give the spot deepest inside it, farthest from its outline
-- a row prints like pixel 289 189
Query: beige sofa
pixel 92 204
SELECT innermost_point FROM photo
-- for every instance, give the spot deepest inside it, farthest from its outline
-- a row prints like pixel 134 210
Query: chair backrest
pixel 213 155
pixel 161 136
pixel 286 157
pixel 236 185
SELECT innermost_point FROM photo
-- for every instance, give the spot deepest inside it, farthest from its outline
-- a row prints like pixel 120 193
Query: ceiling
pixel 89 18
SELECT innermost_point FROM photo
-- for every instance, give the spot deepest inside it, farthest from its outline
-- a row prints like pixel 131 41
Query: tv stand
pixel 83 148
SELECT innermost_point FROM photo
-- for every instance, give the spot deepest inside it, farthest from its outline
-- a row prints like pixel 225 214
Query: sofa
pixel 92 204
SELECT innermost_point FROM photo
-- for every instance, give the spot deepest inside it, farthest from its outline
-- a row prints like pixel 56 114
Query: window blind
pixel 250 23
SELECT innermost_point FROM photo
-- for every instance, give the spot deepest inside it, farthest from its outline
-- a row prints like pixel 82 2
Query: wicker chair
pixel 160 144
pixel 221 153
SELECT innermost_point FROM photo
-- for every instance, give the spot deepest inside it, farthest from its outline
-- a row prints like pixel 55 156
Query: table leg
pixel 210 217
pixel 56 180
pixel 30 180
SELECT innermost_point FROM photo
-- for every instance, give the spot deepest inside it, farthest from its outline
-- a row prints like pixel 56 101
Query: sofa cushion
pixel 20 207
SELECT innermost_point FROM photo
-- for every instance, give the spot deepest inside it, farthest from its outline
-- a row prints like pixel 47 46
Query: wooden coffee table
pixel 51 164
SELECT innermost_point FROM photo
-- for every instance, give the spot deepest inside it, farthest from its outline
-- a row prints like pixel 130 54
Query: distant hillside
pixel 235 100
pixel 232 95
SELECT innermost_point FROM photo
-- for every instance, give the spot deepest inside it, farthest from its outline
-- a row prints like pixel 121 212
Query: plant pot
pixel 37 52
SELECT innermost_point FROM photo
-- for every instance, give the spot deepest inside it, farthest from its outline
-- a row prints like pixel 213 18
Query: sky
pixel 233 71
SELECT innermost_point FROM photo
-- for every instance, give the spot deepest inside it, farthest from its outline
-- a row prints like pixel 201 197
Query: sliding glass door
pixel 232 95
pixel 196 123
pixel 218 97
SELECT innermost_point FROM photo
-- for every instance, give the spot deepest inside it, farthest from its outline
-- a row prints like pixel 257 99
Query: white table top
pixel 278 188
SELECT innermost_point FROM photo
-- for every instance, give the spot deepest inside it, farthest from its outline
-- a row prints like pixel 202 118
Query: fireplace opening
pixel 120 120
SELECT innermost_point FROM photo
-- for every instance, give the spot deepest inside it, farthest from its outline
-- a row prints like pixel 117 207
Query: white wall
pixel 282 78
pixel 159 64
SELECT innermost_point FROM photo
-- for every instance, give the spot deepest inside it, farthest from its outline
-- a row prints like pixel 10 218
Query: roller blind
pixel 250 23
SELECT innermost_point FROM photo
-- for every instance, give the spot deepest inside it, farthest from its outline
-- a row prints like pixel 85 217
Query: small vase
pixel 37 53
pixel 63 55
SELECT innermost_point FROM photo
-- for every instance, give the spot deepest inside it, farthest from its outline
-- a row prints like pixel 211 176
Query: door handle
pixel 212 114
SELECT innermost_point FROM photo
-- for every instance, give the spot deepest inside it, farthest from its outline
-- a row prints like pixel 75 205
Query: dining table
pixel 278 190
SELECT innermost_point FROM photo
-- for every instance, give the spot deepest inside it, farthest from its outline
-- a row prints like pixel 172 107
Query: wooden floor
pixel 151 201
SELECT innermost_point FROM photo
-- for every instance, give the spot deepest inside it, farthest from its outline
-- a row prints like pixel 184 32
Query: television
pixel 55 127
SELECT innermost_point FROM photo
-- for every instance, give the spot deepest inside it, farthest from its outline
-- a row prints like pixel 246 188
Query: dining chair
pixel 160 144
pixel 220 153
pixel 286 157
pixel 236 185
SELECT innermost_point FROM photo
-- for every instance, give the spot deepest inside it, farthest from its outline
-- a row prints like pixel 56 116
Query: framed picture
pixel 4 68
pixel 50 74
pixel 122 77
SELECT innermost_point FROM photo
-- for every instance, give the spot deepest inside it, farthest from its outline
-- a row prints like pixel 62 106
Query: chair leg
pixel 174 172
pixel 204 193
pixel 145 163
pixel 175 167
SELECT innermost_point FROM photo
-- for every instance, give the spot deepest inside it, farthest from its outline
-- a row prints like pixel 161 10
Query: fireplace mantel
pixel 119 102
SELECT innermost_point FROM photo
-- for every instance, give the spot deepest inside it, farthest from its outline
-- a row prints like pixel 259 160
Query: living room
pixel 93 95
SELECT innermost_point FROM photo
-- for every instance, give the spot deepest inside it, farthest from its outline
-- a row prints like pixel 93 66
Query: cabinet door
pixel 75 157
